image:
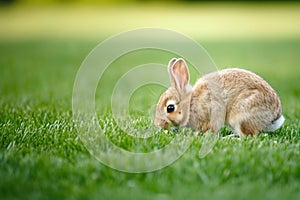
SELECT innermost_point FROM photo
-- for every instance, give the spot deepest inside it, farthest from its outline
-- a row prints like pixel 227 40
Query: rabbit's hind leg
pixel 249 127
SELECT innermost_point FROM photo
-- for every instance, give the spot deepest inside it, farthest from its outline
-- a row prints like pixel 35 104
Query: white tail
pixel 276 124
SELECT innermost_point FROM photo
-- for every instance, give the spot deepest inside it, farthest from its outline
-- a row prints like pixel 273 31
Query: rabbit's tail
pixel 276 124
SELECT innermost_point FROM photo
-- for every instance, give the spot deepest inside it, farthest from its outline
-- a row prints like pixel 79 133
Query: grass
pixel 234 20
pixel 41 155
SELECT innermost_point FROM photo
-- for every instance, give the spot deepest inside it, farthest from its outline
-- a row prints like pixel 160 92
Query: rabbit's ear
pixel 179 74
pixel 171 74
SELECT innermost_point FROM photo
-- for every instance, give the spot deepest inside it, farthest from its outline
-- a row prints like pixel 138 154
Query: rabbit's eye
pixel 170 108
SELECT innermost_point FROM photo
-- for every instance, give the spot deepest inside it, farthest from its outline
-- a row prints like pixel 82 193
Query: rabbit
pixel 234 97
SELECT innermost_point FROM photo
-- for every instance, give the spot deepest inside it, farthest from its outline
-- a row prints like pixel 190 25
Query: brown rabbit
pixel 235 97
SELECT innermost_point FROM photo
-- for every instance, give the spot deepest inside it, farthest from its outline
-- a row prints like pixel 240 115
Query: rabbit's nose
pixel 166 125
pixel 161 123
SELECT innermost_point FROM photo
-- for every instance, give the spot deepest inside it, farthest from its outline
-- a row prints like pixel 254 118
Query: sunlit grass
pixel 201 21
pixel 41 155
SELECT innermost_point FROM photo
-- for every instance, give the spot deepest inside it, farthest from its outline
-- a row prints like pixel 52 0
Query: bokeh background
pixel 198 19
pixel 235 33
pixel 43 43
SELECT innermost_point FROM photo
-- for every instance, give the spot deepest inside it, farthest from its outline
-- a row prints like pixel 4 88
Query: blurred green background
pixel 43 43
pixel 97 19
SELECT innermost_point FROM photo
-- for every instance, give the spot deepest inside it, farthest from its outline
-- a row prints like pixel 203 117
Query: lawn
pixel 42 156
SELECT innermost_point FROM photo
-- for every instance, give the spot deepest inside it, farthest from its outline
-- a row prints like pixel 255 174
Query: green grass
pixel 41 155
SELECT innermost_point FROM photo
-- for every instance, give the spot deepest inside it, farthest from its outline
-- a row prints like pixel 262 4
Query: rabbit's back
pixel 241 86
pixel 251 104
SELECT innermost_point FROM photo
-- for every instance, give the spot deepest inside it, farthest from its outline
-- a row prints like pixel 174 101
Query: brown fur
pixel 236 97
